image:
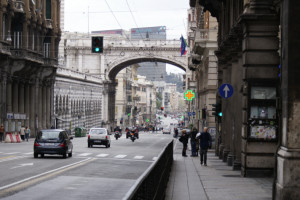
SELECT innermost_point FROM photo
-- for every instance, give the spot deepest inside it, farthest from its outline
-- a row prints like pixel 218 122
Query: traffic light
pixel 162 108
pixel 97 44
pixel 217 110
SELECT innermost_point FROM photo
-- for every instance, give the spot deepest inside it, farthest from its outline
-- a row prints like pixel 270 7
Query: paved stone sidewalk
pixel 189 180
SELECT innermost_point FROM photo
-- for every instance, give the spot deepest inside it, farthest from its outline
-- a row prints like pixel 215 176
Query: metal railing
pixel 153 182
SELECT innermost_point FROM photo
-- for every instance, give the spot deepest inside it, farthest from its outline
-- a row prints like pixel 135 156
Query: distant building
pixel 154 71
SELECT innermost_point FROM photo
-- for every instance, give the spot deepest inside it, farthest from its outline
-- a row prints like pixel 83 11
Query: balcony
pixel 22 54
pixel 19 6
pixel 192 85
pixel 192 25
pixel 49 23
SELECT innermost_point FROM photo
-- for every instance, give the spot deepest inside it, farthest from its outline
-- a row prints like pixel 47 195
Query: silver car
pixel 99 136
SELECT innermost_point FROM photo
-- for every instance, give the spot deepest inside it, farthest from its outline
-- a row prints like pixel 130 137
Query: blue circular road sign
pixel 226 90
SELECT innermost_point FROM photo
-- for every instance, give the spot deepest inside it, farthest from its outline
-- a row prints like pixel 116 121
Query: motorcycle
pixel 132 137
pixel 117 135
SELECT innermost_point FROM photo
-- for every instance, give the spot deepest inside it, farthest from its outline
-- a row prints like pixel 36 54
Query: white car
pixel 166 131
pixel 99 136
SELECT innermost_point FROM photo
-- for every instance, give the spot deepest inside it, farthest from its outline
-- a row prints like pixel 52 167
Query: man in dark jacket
pixel 193 141
pixel 205 142
pixel 184 138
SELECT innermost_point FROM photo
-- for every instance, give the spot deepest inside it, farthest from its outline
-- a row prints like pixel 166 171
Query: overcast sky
pixel 126 14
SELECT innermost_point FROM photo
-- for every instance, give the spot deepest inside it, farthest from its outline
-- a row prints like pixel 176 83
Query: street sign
pixel 226 90
pixel 189 95
pixel 194 113
pixel 189 113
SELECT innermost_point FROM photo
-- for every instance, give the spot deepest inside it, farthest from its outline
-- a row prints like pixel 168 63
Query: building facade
pixel 30 34
pixel 257 51
pixel 202 62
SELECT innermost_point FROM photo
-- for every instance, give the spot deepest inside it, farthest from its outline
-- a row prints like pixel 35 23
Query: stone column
pixel 44 105
pixel 260 68
pixel 40 105
pixel 288 159
pixel 27 104
pixel 15 97
pixel 48 107
pixel 33 106
pixel 21 100
pixel 226 120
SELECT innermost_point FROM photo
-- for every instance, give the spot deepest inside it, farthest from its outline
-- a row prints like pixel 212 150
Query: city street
pixel 90 174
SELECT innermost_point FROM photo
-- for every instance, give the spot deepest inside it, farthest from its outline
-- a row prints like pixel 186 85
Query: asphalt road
pixel 92 173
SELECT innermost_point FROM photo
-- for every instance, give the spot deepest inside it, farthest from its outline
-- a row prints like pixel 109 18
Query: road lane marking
pixel 84 154
pixel 102 155
pixel 154 158
pixel 120 156
pixel 8 158
pixel 11 153
pixel 138 157
pixel 28 153
pixel 22 165
pixel 39 177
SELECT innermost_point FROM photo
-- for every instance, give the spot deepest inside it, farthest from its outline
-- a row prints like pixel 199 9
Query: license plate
pixel 97 141
pixel 50 144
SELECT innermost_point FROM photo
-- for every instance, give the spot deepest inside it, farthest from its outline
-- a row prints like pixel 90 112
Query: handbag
pixel 181 139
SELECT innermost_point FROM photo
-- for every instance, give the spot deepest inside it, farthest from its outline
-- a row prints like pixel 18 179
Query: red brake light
pixel 62 145
pixel 36 144
pixel 88 136
pixel 106 137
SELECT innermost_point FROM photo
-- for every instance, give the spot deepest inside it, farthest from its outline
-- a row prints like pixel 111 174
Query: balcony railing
pixel 19 6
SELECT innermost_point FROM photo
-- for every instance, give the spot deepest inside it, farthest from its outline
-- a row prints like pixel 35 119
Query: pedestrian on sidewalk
pixel 22 133
pixel 27 132
pixel 193 142
pixel 1 133
pixel 184 138
pixel 205 143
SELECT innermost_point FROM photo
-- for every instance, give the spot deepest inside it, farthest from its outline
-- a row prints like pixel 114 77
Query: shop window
pixel 262 112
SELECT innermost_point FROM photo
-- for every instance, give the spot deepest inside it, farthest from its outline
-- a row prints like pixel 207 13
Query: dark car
pixel 53 141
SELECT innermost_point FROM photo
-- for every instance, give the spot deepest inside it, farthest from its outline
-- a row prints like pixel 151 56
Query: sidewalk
pixel 189 180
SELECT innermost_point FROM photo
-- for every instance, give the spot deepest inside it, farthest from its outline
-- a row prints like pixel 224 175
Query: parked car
pixel 166 131
pixel 53 141
pixel 99 136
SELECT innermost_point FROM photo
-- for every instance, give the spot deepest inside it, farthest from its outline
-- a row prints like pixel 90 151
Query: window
pixel 48 9
pixel 17 40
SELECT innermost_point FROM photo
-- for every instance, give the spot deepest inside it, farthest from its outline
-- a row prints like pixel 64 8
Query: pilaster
pixel 260 62
pixel 288 159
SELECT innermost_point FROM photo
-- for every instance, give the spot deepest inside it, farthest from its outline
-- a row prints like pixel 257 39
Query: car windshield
pixel 50 135
pixel 97 131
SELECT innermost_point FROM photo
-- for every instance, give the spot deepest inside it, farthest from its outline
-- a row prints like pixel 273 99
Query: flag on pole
pixel 183 46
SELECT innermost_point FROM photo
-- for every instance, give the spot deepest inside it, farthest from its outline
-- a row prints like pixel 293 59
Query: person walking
pixel 205 143
pixel 184 138
pixel 1 133
pixel 27 132
pixel 193 142
pixel 22 133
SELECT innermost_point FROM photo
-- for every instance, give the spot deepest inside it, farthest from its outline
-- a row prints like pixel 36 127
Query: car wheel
pixel 70 154
pixel 36 155
pixel 42 155
pixel 89 145
pixel 65 155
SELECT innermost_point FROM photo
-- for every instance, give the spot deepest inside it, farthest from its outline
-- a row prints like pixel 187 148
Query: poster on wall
pixel 263 132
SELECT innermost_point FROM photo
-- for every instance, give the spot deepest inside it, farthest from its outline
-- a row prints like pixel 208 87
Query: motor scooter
pixel 117 135
pixel 132 137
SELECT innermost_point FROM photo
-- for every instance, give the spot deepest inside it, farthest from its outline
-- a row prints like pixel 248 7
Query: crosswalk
pixel 19 155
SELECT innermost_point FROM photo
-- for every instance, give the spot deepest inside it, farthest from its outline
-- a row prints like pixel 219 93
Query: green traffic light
pixel 97 49
pixel 220 114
